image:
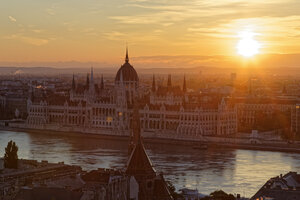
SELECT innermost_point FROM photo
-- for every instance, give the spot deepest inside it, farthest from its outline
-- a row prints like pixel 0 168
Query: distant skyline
pixel 51 31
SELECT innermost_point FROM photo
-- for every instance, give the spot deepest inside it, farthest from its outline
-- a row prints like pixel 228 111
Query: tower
pixel 87 84
pixel 73 84
pixel 153 84
pixel 92 85
pixel 184 84
pixel 169 81
pixel 151 185
pixel 102 83
pixel 129 81
pixel 139 162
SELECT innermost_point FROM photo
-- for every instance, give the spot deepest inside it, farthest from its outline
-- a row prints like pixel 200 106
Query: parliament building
pixel 166 111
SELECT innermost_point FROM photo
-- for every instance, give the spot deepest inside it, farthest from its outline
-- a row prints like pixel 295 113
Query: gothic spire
pixel 138 163
pixel 153 84
pixel 92 76
pixel 87 85
pixel 169 81
pixel 184 84
pixel 73 83
pixel 102 83
pixel 126 57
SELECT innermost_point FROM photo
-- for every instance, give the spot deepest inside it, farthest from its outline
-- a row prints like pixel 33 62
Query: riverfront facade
pixel 166 111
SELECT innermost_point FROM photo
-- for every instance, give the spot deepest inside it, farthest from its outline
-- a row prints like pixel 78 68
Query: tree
pixel 11 155
pixel 219 195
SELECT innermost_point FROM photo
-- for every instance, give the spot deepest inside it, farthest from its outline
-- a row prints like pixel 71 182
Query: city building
pixel 32 172
pixel 43 180
pixel 251 110
pixel 166 111
pixel 295 119
pixel 109 184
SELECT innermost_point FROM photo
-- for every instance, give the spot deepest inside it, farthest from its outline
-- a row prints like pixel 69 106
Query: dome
pixel 127 71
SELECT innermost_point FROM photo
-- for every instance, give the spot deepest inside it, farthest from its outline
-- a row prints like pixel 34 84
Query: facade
pixel 251 110
pixel 2 102
pixel 166 111
pixel 31 171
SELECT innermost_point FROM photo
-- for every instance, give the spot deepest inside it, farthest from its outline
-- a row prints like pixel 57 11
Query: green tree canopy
pixel 219 195
pixel 11 155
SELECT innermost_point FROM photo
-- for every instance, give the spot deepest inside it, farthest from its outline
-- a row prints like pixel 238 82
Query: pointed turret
pixel 169 85
pixel 184 84
pixel 153 84
pixel 92 85
pixel 73 83
pixel 92 76
pixel 102 83
pixel 87 85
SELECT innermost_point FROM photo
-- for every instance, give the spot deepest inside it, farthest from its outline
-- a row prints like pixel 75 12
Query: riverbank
pixel 291 148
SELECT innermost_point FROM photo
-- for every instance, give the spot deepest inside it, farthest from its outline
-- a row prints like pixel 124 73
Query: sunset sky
pixel 98 30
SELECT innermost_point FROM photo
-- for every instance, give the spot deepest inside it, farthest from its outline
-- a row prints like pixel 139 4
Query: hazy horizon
pixel 176 61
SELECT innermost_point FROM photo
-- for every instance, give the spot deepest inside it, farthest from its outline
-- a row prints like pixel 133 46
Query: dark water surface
pixel 234 171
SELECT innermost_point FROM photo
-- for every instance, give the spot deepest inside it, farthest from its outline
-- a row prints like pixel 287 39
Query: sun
pixel 248 46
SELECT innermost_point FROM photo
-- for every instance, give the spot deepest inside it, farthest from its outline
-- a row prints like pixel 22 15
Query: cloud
pixel 205 12
pixel 37 30
pixel 29 40
pixel 12 19
pixel 50 11
pixel 132 38
pixel 114 35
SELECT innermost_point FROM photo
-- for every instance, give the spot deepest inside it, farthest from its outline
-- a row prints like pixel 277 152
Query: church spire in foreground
pixel 139 162
pixel 151 185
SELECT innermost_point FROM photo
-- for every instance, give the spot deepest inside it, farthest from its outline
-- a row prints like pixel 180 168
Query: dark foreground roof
pixel 285 187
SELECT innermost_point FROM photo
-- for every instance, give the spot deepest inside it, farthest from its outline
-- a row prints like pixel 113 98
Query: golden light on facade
pixel 109 119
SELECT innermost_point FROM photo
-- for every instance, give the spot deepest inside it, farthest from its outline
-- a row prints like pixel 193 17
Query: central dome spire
pixel 128 72
pixel 126 58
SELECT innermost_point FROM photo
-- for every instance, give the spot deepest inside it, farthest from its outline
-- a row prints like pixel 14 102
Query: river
pixel 234 171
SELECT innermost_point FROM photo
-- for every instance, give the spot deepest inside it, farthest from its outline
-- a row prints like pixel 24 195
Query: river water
pixel 234 171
